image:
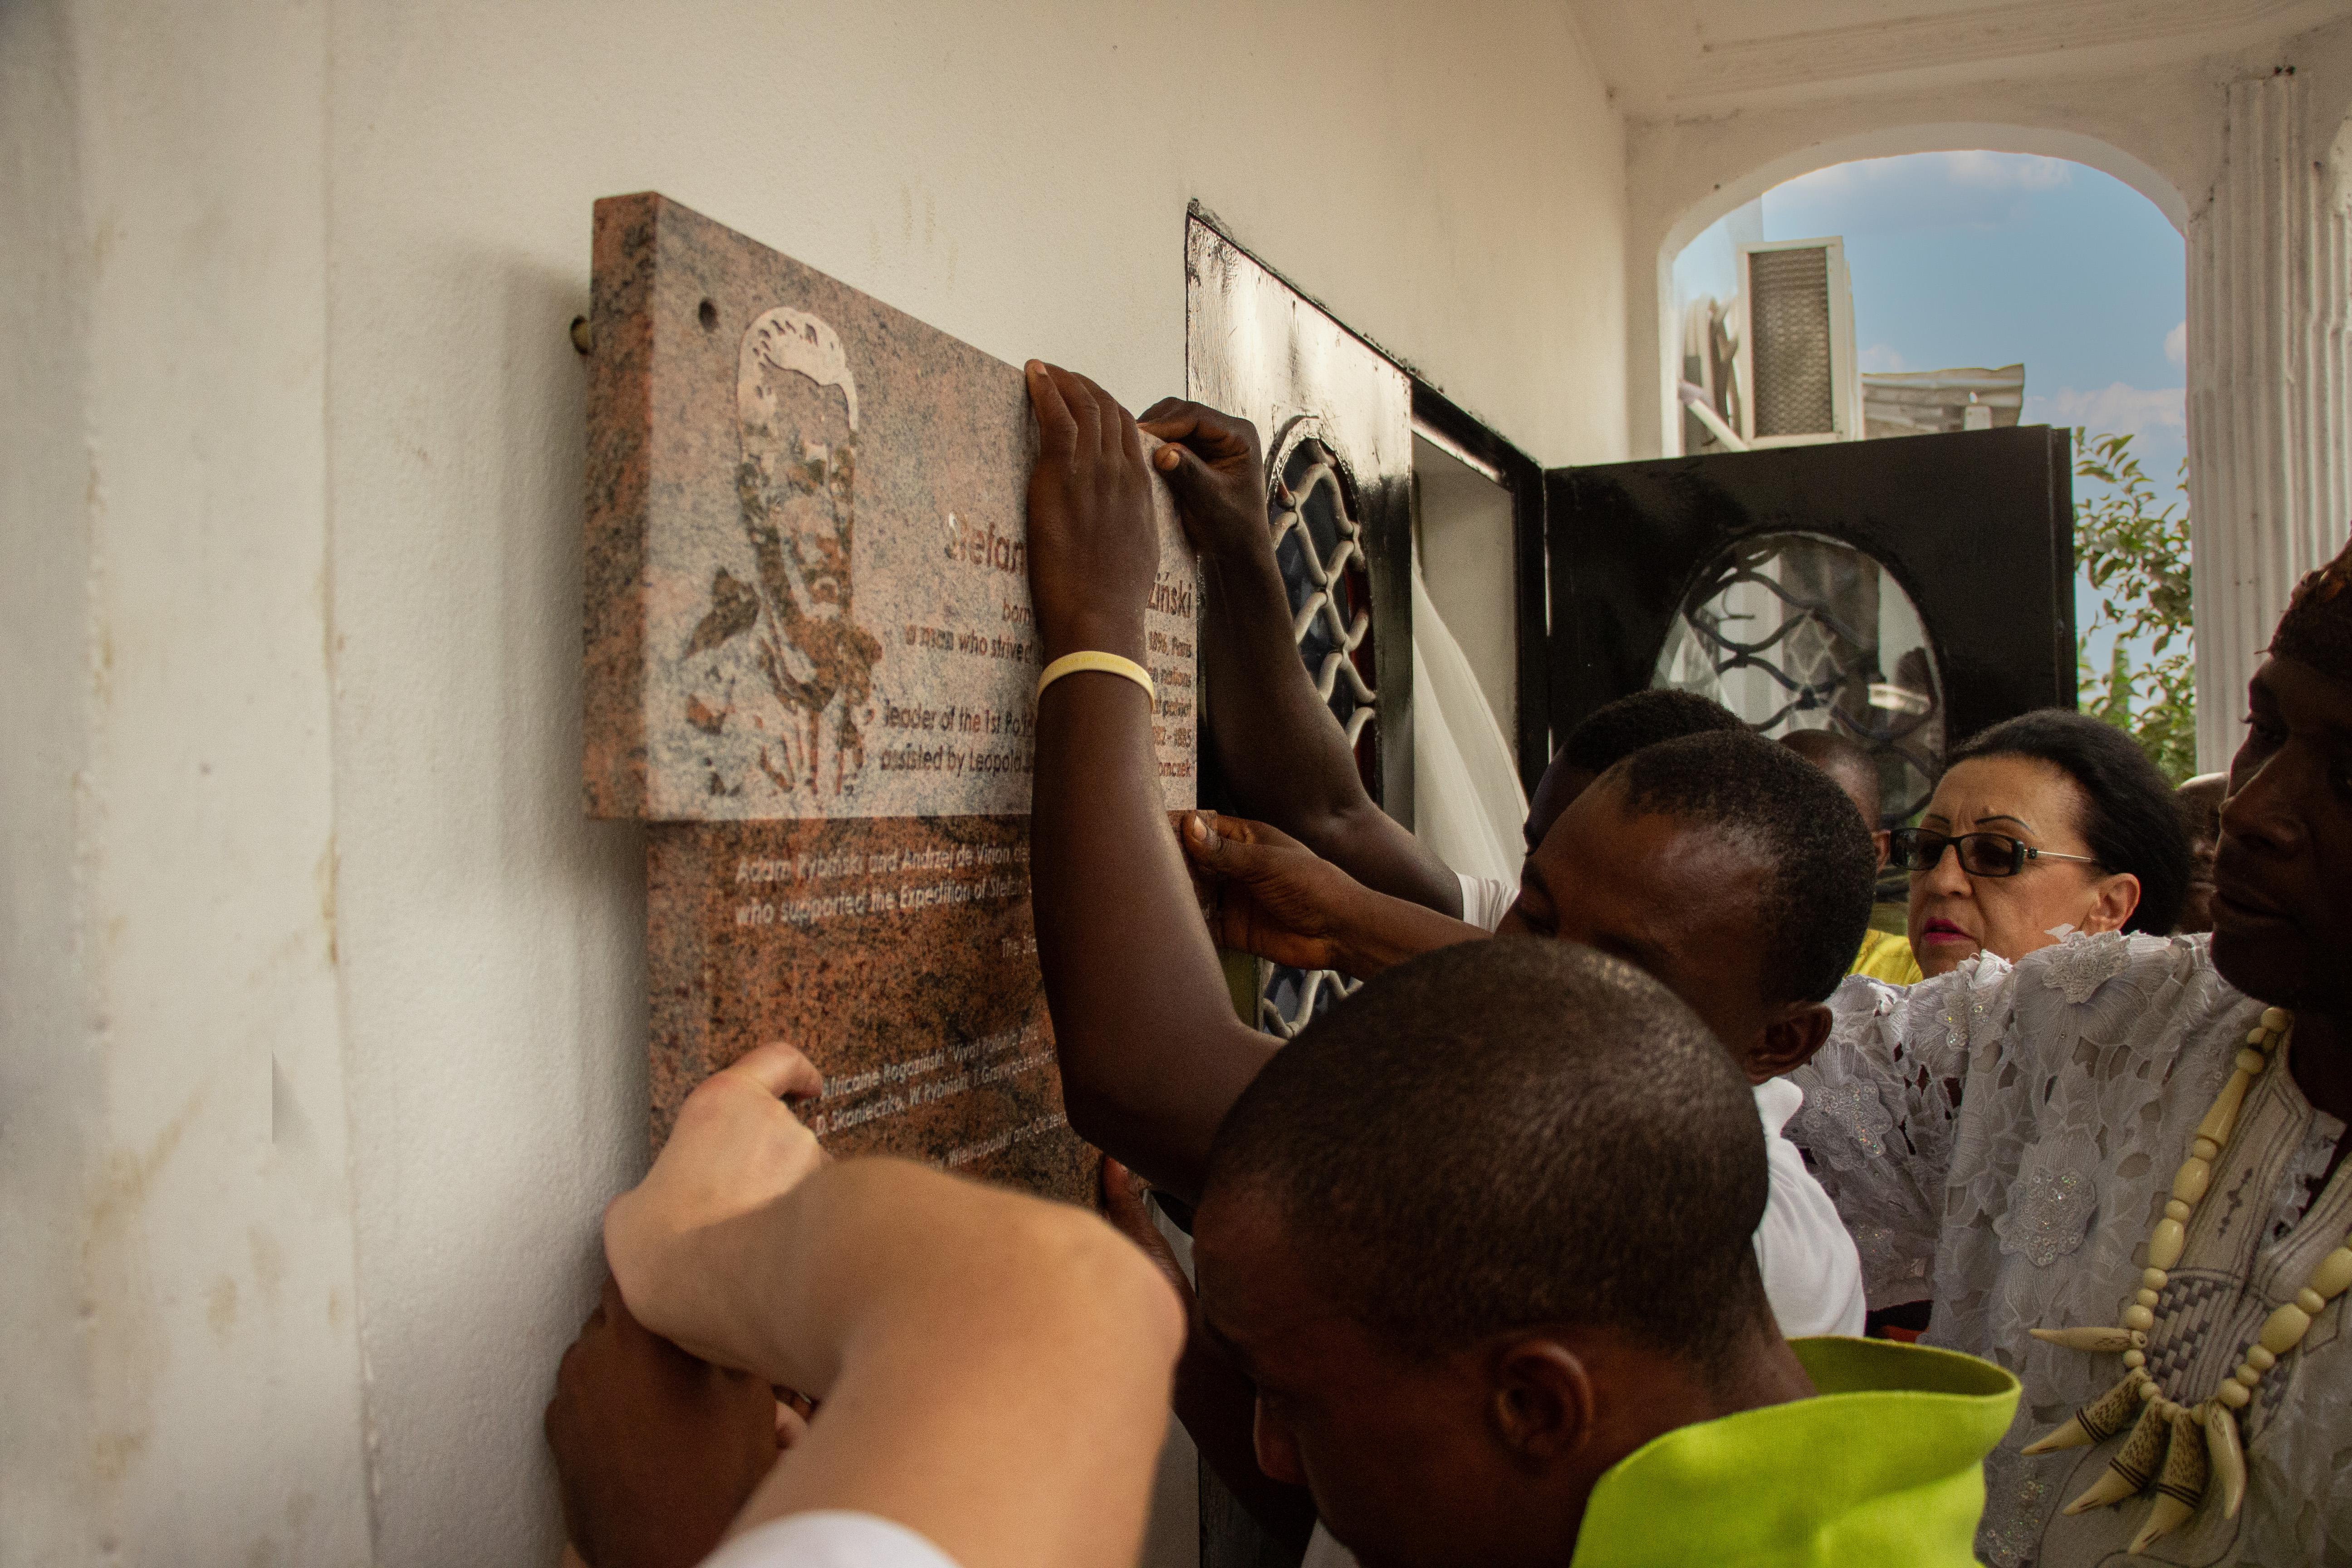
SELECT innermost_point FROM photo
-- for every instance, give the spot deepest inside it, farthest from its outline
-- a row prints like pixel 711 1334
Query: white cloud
pixel 2006 171
pixel 2113 410
pixel 2176 345
pixel 1921 191
pixel 1880 360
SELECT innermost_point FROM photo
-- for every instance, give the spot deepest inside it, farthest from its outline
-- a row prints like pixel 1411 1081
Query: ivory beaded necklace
pixel 2177 1447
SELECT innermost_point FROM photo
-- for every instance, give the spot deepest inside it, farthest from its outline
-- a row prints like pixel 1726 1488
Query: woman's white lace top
pixel 2000 1139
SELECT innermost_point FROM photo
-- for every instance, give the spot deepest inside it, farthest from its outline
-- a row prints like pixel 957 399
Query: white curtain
pixel 1467 805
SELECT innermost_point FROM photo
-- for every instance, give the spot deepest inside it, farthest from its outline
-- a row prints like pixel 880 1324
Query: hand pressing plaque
pixel 811 666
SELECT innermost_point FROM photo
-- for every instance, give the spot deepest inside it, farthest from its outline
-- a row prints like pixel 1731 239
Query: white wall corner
pixel 50 1126
pixel 176 1086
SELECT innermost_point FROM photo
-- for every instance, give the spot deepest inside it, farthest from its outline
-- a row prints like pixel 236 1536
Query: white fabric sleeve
pixel 1881 1103
pixel 1812 1276
pixel 1322 1552
pixel 829 1537
pixel 1485 901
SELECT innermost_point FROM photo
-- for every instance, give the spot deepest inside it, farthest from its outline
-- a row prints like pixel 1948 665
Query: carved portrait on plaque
pixel 783 675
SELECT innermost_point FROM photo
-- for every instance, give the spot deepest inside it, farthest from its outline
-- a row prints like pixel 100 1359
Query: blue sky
pixel 1988 258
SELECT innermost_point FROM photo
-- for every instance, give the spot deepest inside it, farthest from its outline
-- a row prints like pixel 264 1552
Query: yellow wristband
pixel 1109 663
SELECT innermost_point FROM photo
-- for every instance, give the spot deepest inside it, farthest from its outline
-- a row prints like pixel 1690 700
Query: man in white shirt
pixel 1738 875
pixel 1723 865
pixel 1285 760
pixel 1603 738
pixel 1649 863
pixel 992 1369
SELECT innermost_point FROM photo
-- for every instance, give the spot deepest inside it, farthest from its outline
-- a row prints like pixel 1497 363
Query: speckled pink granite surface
pixel 807 558
pixel 809 665
pixel 896 952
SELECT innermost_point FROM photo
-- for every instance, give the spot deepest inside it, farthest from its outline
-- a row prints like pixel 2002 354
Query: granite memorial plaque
pixel 811 666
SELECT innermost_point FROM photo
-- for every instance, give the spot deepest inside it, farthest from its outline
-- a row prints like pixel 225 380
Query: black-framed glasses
pixel 1919 849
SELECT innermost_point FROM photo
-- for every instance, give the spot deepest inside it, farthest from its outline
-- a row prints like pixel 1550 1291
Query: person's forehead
pixel 1259 1293
pixel 1680 886
pixel 1856 776
pixel 2308 699
pixel 2009 785
pixel 1665 848
pixel 1245 1264
pixel 1559 787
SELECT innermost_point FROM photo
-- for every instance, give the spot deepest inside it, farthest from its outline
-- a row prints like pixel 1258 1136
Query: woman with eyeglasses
pixel 2047 823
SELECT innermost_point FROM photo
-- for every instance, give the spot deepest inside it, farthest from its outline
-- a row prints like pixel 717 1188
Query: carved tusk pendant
pixel 2169 1515
pixel 2182 1484
pixel 2226 1456
pixel 2097 1421
pixel 2135 1464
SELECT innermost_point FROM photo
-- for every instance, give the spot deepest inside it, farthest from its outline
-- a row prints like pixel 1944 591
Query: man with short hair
pixel 1764 855
pixel 1603 739
pixel 1719 864
pixel 1696 877
pixel 1577 1365
pixel 1885 955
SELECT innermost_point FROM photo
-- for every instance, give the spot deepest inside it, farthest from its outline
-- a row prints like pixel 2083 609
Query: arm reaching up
pixel 1277 746
pixel 1268 895
pixel 1151 1054
pixel 992 1369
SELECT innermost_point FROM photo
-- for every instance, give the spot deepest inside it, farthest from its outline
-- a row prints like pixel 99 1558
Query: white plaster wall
pixel 310 955
pixel 48 1120
pixel 1017 177
pixel 182 1372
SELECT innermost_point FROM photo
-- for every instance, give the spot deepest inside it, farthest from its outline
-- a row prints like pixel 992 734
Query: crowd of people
pixel 1556 1239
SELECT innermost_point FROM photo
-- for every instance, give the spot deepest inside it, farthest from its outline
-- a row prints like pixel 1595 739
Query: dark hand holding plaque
pixel 811 661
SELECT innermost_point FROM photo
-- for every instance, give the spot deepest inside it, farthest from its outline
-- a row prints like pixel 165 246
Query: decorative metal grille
pixel 1793 631
pixel 1318 544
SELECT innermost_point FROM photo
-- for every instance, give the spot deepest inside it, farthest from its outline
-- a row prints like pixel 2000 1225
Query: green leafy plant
pixel 2132 546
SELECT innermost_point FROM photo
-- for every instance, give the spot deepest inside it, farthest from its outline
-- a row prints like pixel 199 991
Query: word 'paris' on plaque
pixel 810 668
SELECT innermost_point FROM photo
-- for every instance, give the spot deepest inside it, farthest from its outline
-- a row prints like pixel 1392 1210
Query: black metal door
pixel 1757 566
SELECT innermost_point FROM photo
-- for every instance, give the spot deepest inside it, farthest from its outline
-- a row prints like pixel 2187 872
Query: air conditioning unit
pixel 1799 383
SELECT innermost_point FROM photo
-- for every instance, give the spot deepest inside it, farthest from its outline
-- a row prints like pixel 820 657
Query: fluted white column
pixel 2269 364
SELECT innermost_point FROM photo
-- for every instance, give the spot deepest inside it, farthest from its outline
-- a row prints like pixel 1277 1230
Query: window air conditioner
pixel 1799 384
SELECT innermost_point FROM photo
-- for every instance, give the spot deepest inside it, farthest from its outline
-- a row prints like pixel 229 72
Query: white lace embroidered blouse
pixel 2000 1139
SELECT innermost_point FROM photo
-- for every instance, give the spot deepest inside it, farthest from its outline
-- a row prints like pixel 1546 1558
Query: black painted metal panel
pixel 1976 526
pixel 1256 347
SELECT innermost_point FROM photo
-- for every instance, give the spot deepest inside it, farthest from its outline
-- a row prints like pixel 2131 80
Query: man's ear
pixel 1542 1404
pixel 1789 1040
pixel 2112 903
